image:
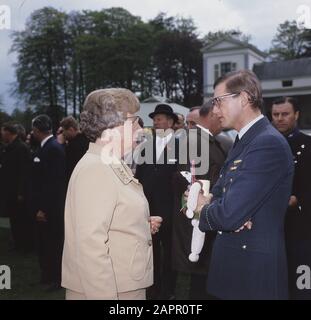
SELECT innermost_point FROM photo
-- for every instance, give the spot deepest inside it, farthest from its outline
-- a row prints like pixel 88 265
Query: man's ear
pixel 296 115
pixel 170 122
pixel 244 98
pixel 73 130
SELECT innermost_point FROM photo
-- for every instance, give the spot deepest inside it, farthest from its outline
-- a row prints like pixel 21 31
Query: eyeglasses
pixel 132 119
pixel 191 123
pixel 217 100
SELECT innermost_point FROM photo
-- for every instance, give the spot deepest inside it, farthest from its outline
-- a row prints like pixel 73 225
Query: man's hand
pixel 41 216
pixel 293 201
pixel 155 224
pixel 247 225
pixel 202 200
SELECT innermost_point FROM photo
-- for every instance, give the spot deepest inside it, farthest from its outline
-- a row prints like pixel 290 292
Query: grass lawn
pixel 25 273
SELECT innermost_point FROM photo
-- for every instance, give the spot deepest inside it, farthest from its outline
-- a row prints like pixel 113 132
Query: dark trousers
pixel 164 276
pixel 197 290
pixel 21 226
pixel 49 242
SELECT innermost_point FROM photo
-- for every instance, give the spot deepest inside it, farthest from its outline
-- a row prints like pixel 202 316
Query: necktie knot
pixel 237 139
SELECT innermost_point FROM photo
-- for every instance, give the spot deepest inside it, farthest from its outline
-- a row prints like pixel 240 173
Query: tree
pixel 307 38
pixel 178 59
pixel 221 34
pixel 24 117
pixel 62 57
pixel 42 65
pixel 289 42
pixel 4 117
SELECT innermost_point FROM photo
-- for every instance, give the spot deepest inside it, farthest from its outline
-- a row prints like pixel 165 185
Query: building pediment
pixel 222 45
pixel 230 44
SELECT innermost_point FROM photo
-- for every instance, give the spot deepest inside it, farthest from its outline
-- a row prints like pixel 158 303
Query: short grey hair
pixel 206 108
pixel 106 109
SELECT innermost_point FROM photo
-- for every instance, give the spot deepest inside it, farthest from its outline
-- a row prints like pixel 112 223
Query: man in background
pixel 210 151
pixel 180 123
pixel 14 175
pixel 48 199
pixel 157 181
pixel 76 143
pixel 285 115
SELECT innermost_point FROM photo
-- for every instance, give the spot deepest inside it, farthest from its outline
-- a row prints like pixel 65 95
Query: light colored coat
pixel 108 244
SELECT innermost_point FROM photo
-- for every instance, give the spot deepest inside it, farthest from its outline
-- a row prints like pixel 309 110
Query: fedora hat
pixel 163 108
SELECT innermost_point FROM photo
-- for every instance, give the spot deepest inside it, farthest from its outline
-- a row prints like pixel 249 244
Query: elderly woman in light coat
pixel 108 246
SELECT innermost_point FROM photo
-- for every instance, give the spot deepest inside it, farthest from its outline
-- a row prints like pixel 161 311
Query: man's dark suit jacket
pixel 157 181
pixel 14 173
pixel 75 150
pixel 298 218
pixel 49 181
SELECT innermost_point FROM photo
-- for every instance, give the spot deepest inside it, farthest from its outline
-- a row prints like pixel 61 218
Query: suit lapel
pixel 247 138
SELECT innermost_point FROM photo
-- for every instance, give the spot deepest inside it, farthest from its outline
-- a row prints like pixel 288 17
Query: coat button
pixel 224 189
pixel 220 232
pixel 244 247
pixel 149 243
pixel 231 180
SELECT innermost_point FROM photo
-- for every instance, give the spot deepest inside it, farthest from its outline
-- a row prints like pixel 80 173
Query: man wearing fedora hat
pixel 156 178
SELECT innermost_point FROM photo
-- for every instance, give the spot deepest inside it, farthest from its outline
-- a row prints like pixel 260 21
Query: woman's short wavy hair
pixel 105 109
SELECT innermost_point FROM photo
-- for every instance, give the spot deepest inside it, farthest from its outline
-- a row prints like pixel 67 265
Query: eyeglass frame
pixel 136 118
pixel 216 101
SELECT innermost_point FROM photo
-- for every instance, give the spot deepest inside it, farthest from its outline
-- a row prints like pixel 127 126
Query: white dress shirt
pixel 161 143
pixel 204 129
pixel 248 126
pixel 43 142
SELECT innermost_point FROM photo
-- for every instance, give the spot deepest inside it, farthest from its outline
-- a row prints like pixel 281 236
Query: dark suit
pixel 157 181
pixel 255 184
pixel 14 175
pixel 48 195
pixel 209 149
pixel 75 149
pixel 298 219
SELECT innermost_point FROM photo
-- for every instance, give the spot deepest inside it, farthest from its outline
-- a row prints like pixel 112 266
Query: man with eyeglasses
pixel 248 203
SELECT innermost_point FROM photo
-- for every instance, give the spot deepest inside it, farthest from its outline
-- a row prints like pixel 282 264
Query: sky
pixel 259 19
